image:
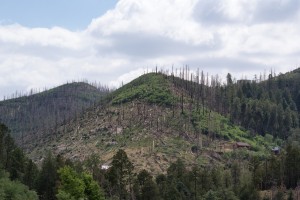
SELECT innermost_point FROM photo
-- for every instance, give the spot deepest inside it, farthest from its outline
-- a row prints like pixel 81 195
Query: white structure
pixel 105 167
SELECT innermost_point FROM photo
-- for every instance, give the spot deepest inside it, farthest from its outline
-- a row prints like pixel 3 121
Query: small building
pixel 239 145
pixel 105 167
pixel 276 150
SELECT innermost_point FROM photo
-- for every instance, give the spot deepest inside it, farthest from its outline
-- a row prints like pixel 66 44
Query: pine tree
pixel 120 174
pixel 46 181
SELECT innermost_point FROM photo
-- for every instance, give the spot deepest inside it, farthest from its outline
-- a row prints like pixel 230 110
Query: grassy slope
pixel 152 88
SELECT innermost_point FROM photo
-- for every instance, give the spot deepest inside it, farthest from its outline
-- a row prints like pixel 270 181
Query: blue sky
pixel 71 14
pixel 47 43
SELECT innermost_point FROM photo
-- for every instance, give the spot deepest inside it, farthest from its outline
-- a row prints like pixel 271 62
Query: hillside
pixel 156 119
pixel 36 116
pixel 265 106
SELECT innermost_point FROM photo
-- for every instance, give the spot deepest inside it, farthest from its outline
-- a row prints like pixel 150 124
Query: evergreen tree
pixel 70 183
pixel 120 175
pixel 92 190
pixel 145 188
pixel 46 181
pixel 14 190
pixel 292 167
pixel 30 174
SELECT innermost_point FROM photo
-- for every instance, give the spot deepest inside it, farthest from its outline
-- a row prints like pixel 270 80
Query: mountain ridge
pixel 153 133
pixel 37 114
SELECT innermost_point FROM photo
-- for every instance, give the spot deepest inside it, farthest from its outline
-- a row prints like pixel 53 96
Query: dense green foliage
pixel 120 174
pixel 12 158
pixel 77 186
pixel 14 170
pixel 216 126
pixel 266 106
pixel 14 190
pixel 152 88
pixel 47 178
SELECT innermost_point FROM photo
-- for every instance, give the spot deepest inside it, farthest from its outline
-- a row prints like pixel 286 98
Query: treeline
pixel 237 180
pixel 265 107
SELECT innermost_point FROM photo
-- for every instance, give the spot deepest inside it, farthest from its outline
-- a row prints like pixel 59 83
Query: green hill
pixel 150 88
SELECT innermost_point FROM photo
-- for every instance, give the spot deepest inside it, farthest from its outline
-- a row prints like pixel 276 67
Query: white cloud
pixel 238 36
pixel 171 19
pixel 56 37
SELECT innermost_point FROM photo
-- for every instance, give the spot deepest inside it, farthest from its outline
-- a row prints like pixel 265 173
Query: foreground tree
pixel 120 175
pixel 14 190
pixel 77 186
pixel 145 188
pixel 46 181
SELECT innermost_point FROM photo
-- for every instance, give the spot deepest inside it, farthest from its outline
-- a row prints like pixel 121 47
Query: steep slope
pixel 156 121
pixel 38 115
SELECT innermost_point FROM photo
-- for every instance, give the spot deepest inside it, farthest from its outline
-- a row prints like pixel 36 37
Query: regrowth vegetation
pixel 151 88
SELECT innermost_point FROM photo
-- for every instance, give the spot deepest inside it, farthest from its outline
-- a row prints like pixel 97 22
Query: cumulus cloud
pixel 238 36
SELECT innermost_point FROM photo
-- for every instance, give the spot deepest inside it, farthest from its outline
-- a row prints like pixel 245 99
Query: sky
pixel 47 43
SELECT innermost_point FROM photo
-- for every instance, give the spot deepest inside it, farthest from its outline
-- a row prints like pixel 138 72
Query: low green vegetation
pixel 14 189
pixel 219 127
pixel 152 88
